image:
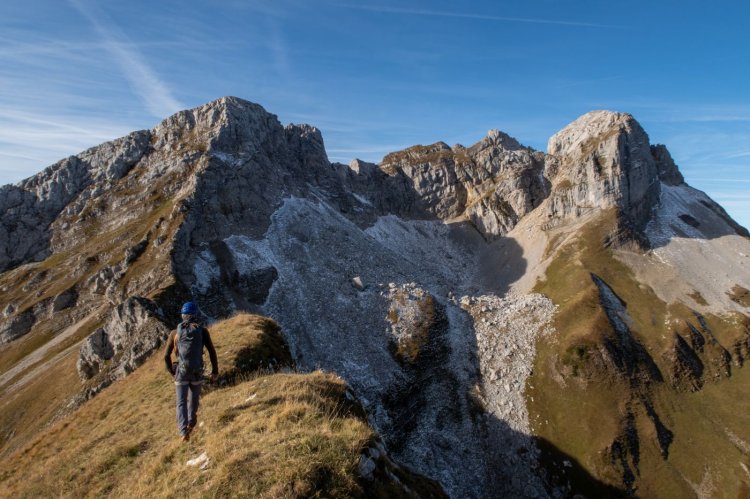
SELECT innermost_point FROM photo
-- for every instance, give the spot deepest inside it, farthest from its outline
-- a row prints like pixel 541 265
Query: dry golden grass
pixel 98 240
pixel 45 385
pixel 12 353
pixel 268 435
pixel 18 350
pixel 267 350
pixel 26 411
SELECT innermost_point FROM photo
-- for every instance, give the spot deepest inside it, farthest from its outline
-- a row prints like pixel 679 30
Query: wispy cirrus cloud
pixel 468 15
pixel 739 154
pixel 31 140
pixel 52 104
pixel 277 47
pixel 705 118
pixel 677 112
pixel 154 92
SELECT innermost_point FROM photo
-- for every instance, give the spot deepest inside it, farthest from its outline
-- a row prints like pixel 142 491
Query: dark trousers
pixel 188 398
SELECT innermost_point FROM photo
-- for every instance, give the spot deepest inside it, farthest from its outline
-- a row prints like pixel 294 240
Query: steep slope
pixel 641 384
pixel 633 383
pixel 261 434
pixel 412 280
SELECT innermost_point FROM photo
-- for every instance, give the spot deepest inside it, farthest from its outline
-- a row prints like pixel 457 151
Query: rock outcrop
pixel 94 353
pixel 491 184
pixel 134 330
pixel 665 165
pixel 19 325
pixel 64 300
pixel 624 352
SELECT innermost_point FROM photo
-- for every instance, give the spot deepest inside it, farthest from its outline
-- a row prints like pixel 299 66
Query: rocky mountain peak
pixel 228 124
pixel 668 171
pixel 503 140
pixel 604 159
pixel 592 127
pixel 491 184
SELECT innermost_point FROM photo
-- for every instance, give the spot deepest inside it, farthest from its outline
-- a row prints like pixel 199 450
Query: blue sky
pixel 382 75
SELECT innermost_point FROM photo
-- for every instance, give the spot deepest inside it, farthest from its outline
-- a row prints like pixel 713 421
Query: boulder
pixel 64 300
pixel 17 326
pixel 96 349
pixel 8 310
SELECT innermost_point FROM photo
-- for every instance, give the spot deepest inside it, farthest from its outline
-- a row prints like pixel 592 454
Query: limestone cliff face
pixel 491 184
pixel 241 154
pixel 602 160
pixel 668 172
pixel 390 274
pixel 28 208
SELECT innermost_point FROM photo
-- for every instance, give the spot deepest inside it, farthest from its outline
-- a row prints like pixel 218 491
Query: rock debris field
pixel 507 330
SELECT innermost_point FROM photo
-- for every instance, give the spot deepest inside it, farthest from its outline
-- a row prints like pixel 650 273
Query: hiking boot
pixel 186 437
pixel 190 428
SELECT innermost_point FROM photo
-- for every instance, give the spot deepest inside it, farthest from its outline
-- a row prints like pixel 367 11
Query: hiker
pixel 188 342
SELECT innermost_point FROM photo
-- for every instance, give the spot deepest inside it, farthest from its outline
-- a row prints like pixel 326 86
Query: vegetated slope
pixel 646 394
pixel 263 434
pixel 100 227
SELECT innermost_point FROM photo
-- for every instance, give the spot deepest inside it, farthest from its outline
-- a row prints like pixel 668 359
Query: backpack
pixel 189 345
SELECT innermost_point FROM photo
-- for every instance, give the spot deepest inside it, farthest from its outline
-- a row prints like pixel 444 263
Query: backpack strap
pixel 176 339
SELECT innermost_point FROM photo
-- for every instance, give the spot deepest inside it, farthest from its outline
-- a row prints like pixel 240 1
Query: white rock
pixel 201 461
pixel 357 283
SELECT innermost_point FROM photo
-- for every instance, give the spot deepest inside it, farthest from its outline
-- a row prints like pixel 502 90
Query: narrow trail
pixel 37 356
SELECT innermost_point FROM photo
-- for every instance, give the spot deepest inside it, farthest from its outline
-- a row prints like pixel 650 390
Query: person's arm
pixel 168 352
pixel 211 352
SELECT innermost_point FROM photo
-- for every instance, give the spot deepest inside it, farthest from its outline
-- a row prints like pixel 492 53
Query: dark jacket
pixel 207 344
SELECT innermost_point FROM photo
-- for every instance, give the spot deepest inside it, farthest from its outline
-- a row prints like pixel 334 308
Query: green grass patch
pixel 578 404
pixel 740 295
pixel 697 297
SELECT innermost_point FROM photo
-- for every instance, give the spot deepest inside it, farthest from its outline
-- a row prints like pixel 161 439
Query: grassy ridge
pixel 265 435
